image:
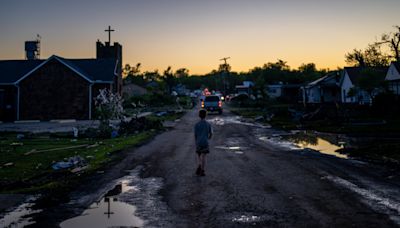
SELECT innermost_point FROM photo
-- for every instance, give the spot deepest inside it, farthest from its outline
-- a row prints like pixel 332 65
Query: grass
pixel 29 164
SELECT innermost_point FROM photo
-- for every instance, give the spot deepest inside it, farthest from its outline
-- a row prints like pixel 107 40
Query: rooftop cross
pixel 109 30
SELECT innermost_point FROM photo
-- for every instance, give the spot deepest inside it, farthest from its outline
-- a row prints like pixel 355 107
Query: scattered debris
pixel 75 132
pixel 55 149
pixel 77 161
pixel 8 164
pixel 20 136
pixel 79 169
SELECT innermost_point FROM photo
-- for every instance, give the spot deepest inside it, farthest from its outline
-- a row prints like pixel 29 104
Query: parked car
pixel 212 103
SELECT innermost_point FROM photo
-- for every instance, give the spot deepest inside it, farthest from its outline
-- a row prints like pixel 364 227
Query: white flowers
pixel 109 105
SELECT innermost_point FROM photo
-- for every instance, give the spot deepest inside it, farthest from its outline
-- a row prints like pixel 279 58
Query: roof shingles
pixel 93 69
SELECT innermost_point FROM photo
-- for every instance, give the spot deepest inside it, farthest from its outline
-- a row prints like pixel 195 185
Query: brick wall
pixel 54 92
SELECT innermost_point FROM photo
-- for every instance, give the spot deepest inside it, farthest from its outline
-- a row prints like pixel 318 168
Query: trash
pixel 114 134
pixel 91 146
pixel 75 131
pixel 8 164
pixel 89 157
pixel 30 152
pixel 16 144
pixel 79 169
pixel 73 140
pixel 20 136
pixel 161 113
pixel 259 118
pixel 71 162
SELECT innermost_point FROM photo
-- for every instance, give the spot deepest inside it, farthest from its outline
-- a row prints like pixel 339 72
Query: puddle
pixel 220 121
pixel 109 212
pixel 133 202
pixel 20 217
pixel 230 147
pixel 308 141
pixel 302 140
pixel 247 219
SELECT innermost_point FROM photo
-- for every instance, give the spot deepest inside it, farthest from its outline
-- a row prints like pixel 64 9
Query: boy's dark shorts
pixel 202 150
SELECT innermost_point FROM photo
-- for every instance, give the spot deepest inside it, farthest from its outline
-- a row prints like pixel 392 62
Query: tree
pixel 372 56
pixel 181 73
pixel 169 79
pixel 393 41
pixel 308 68
pixel 132 75
pixel 355 58
pixel 370 81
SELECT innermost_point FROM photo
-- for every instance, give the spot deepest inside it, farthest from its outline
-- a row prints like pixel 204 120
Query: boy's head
pixel 202 114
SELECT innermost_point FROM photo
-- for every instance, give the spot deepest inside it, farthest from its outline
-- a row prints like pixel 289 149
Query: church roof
pixel 93 70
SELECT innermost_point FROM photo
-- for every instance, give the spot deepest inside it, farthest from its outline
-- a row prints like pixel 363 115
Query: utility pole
pixel 225 72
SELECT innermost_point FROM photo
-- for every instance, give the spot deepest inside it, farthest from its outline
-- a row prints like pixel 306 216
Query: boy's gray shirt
pixel 202 132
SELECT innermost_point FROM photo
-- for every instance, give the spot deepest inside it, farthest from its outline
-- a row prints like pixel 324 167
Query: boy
pixel 202 133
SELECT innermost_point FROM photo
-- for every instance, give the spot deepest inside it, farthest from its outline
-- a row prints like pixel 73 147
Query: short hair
pixel 202 113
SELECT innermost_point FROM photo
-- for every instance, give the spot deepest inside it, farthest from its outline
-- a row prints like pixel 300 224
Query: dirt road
pixel 250 182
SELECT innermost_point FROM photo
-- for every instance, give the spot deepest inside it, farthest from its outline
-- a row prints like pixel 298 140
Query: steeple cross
pixel 109 30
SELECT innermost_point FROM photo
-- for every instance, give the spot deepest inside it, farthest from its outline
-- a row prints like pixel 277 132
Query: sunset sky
pixel 195 34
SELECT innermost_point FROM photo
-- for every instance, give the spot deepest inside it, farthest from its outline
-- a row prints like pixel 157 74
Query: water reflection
pixel 108 212
pixel 21 216
pixel 311 141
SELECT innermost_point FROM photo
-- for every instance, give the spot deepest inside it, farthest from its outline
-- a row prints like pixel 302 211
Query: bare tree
pixel 392 39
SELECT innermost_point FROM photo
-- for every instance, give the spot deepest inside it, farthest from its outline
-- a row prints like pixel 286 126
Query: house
pixel 323 90
pixel 352 92
pixel 131 89
pixel 58 88
pixel 245 88
pixel 393 77
pixel 181 90
pixel 284 92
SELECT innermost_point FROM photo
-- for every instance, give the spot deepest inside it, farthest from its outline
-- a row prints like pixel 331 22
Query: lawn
pixel 23 161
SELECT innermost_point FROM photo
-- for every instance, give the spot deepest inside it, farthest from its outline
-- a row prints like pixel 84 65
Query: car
pixel 212 103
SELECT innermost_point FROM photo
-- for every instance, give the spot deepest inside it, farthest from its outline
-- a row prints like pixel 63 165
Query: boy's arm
pixel 210 133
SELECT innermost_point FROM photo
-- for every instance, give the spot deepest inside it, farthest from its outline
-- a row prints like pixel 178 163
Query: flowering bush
pixel 108 106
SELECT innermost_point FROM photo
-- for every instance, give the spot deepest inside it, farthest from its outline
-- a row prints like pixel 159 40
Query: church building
pixel 58 88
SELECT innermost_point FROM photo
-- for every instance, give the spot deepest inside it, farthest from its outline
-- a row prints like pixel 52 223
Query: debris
pixel 259 118
pixel 93 145
pixel 79 169
pixel 16 144
pixel 114 134
pixel 30 152
pixel 161 113
pixel 71 162
pixel 55 149
pixel 8 164
pixel 20 136
pixel 75 131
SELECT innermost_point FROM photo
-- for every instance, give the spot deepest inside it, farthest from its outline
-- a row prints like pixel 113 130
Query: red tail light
pixel 220 103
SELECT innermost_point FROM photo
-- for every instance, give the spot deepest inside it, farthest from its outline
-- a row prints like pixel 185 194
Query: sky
pixel 196 34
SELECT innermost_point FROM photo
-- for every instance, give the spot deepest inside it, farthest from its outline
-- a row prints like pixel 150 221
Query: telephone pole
pixel 225 72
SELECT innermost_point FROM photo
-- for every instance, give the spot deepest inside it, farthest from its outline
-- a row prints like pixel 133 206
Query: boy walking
pixel 202 133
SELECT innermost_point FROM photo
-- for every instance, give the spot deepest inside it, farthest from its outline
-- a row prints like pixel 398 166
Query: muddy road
pixel 250 181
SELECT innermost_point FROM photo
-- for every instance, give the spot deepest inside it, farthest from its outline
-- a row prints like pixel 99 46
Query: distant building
pixel 323 90
pixel 58 88
pixel 350 81
pixel 284 92
pixel 393 77
pixel 131 89
pixel 245 88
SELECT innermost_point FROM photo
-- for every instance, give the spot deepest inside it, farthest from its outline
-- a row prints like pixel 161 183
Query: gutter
pixel 18 99
pixel 90 100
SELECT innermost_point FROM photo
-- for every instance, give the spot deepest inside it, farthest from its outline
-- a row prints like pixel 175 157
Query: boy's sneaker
pixel 198 171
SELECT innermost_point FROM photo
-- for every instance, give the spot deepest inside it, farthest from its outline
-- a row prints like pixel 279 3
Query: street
pixel 248 182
